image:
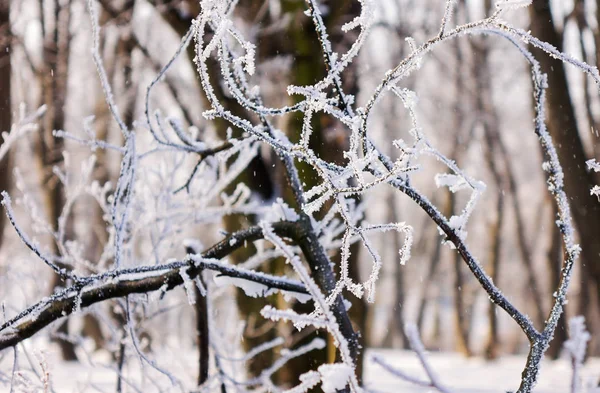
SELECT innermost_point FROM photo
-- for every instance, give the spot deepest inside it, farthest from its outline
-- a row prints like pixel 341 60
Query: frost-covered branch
pixel 25 125
pixel 124 282
pixel 106 87
pixel 62 272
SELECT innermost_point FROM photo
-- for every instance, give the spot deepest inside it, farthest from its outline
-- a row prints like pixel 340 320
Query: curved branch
pixel 486 283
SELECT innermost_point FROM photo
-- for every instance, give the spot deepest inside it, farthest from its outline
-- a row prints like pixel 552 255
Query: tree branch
pixel 165 277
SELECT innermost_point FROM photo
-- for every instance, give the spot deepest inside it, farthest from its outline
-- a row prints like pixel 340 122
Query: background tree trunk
pixel 56 39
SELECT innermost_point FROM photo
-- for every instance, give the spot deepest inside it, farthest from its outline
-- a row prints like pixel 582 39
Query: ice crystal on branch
pixel 595 166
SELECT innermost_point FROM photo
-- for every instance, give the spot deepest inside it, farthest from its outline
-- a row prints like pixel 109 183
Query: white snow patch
pixel 301 297
pixel 250 288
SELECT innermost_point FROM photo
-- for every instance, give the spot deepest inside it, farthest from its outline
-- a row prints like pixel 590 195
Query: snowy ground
pixel 463 375
pixel 460 375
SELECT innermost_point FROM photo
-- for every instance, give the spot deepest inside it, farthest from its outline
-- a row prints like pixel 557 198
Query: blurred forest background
pixel 474 103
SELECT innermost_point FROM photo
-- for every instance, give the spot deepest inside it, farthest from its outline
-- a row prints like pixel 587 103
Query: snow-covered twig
pixel 25 125
pixel 48 260
pixel 108 95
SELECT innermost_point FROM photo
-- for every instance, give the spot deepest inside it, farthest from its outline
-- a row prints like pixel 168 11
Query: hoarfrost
pixel 595 166
pixel 505 5
pixel 334 377
pixel 281 211
pixel 188 285
pixel 453 182
pixel 308 380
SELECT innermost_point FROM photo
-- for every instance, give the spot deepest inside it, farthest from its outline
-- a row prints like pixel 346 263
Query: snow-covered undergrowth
pixel 459 374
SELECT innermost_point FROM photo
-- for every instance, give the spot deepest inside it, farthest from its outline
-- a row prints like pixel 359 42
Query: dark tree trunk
pixel 202 335
pixel 54 92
